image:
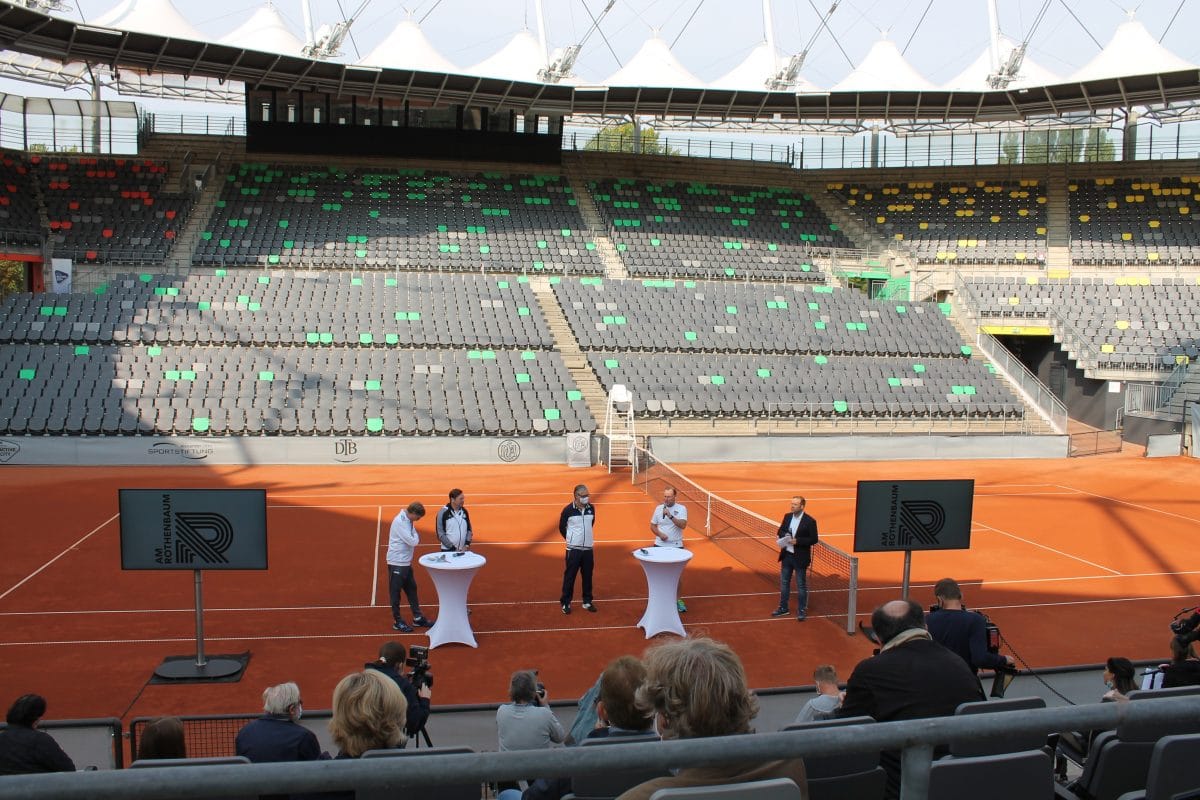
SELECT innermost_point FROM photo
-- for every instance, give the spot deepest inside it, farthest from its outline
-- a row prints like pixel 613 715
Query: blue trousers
pixel 792 564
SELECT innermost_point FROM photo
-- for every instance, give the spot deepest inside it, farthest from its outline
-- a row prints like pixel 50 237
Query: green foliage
pixel 12 277
pixel 619 139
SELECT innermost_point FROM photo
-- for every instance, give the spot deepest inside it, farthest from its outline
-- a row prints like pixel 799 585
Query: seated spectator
pixel 697 688
pixel 617 714
pixel 368 714
pixel 1118 677
pixel 277 734
pixel 391 663
pixel 828 698
pixel 1184 669
pixel 23 748
pixel 527 723
pixel 162 737
pixel 912 677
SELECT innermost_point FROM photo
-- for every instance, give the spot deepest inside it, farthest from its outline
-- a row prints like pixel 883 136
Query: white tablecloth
pixel 663 566
pixel 452 574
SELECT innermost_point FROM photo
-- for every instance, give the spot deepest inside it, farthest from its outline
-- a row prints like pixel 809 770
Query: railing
pixel 916 739
pixel 1034 390
pixel 192 124
pixel 865 419
pixel 655 145
pixel 1091 443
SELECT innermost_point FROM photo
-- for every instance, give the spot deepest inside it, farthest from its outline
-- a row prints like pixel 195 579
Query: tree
pixel 619 139
pixel 1010 148
pixel 1099 146
pixel 12 277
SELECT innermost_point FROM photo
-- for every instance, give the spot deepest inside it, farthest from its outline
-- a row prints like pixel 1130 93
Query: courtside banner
pixel 193 528
pixel 913 515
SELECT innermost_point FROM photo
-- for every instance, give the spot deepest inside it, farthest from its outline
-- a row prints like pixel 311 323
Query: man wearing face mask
pixel 277 734
pixel 575 525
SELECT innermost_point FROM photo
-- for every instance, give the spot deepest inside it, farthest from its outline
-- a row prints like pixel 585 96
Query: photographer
pixel 960 630
pixel 527 723
pixel 391 664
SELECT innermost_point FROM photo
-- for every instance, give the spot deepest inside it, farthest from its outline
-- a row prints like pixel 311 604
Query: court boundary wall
pixel 715 449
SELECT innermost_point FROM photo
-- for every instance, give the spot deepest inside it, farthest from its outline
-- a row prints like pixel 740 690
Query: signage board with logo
pixel 193 529
pixel 913 515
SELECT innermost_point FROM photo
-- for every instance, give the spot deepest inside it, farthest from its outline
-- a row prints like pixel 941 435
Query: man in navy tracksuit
pixel 575 525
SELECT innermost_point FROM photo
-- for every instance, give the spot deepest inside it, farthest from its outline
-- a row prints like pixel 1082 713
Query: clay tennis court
pixel 1075 559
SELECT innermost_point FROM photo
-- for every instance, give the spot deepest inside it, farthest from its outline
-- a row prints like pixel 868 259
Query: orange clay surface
pixel 1076 560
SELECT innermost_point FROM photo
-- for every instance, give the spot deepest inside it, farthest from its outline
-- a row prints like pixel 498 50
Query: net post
pixel 708 515
pixel 852 596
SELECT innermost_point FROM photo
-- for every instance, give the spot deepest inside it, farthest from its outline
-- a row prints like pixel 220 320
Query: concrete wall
pixel 700 449
pixel 152 451
pixel 1088 400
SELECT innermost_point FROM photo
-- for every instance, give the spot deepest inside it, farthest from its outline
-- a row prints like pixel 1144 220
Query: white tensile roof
pixel 1131 51
pixel 519 60
pixel 266 31
pixel 654 65
pixel 883 69
pixel 756 69
pixel 407 48
pixel 974 77
pixel 149 16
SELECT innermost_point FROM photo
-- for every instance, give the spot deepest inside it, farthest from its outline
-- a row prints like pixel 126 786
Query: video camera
pixel 1187 630
pixel 418 660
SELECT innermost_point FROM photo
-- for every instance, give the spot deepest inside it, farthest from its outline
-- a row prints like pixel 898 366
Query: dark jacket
pixel 26 750
pixel 806 537
pixel 274 737
pixel 418 707
pixel 1181 673
pixel 965 633
pixel 913 680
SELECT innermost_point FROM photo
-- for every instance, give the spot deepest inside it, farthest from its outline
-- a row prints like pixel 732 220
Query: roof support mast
pixel 769 34
pixel 993 36
pixel 561 67
pixel 784 79
pixel 1008 70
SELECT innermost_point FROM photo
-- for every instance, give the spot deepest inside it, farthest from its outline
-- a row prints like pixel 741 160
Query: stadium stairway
pixel 1037 424
pixel 180 260
pixel 614 267
pixel 568 347
pixel 1058 225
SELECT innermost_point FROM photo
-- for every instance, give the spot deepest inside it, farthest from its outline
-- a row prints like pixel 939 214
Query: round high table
pixel 663 566
pixel 452 574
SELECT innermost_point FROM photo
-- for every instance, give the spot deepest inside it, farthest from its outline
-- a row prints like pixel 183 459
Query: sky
pixel 939 37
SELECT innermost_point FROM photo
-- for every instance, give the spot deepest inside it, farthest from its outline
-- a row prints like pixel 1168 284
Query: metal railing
pixel 1141 397
pixel 916 739
pixel 1050 406
pixel 866 419
pixel 1092 443
pixel 655 145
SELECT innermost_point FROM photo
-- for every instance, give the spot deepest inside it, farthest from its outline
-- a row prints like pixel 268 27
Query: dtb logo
pixel 202 536
pixel 345 451
pixel 921 521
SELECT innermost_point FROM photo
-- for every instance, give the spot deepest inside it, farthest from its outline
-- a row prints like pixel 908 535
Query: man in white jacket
pixel 402 539
pixel 575 524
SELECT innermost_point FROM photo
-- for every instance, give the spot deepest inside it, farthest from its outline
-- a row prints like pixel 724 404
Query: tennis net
pixel 750 538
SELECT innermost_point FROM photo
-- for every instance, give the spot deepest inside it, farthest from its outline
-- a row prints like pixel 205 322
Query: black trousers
pixel 402 579
pixel 577 561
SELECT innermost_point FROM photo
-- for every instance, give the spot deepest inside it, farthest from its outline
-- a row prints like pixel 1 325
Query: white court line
pixel 602 504
pixel 375 567
pixel 526 631
pixel 407 495
pixel 57 557
pixel 1051 549
pixel 1133 505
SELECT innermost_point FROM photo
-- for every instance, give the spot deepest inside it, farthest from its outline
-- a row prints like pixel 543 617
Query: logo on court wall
pixel 345 451
pixel 191 452
pixel 8 450
pixel 508 451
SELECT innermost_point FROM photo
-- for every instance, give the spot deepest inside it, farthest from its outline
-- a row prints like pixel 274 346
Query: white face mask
pixel 1110 684
pixel 583 501
pixel 298 713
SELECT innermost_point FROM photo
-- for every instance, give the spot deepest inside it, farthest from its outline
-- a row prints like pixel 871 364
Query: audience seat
pixel 1005 776
pixel 1009 744
pixel 445 791
pixel 844 775
pixel 1173 774
pixel 774 789
pixel 607 785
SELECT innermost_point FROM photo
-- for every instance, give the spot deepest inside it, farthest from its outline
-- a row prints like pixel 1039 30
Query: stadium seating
pixel 19 223
pixel 697 230
pixel 1119 221
pixel 955 222
pixel 110 210
pixel 335 217
pixel 1128 322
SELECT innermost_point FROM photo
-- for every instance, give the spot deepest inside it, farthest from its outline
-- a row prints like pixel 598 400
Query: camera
pixel 1187 630
pixel 418 660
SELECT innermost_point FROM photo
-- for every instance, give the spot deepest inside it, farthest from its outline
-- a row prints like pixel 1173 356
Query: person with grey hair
pixel 697 688
pixel 575 525
pixel 527 723
pixel 277 734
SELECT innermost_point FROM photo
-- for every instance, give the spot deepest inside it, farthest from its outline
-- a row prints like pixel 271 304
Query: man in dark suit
pixel 797 535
